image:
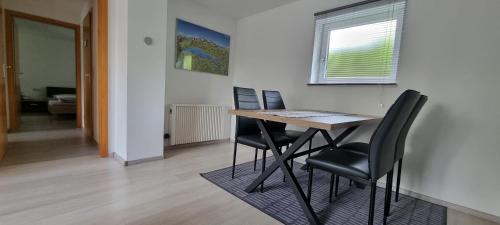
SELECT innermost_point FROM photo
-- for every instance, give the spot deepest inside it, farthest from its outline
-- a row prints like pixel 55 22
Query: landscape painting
pixel 201 49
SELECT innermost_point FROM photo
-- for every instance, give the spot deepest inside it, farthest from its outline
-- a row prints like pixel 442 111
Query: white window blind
pixel 358 44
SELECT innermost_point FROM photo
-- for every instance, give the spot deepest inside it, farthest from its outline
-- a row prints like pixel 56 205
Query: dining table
pixel 315 122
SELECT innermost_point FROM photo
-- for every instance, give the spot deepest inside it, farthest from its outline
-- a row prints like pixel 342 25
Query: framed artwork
pixel 201 49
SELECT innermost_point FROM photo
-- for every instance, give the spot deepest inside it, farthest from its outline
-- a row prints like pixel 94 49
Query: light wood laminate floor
pixel 45 121
pixel 37 146
pixel 90 190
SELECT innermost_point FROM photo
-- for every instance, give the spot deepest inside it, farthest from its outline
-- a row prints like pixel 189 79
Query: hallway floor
pixel 45 121
pixel 39 146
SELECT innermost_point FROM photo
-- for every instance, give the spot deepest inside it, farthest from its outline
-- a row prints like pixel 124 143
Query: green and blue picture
pixel 201 49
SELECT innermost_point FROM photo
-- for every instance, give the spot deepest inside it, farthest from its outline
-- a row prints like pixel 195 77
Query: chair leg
pixel 306 167
pixel 234 158
pixel 337 179
pixel 398 181
pixel 284 178
pixel 255 160
pixel 388 195
pixel 309 184
pixel 291 164
pixel 263 168
pixel 332 181
pixel 373 192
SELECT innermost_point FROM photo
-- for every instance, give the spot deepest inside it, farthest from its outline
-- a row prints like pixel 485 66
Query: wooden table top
pixel 327 121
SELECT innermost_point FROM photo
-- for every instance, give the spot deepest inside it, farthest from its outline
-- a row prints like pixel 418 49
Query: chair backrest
pixel 273 100
pixel 400 147
pixel 246 98
pixel 384 139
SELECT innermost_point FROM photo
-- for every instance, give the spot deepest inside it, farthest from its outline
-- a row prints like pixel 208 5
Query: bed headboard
pixel 51 91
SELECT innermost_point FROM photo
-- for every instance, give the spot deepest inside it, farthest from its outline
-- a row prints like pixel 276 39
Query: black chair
pixel 369 168
pixel 247 130
pixel 273 100
pixel 400 146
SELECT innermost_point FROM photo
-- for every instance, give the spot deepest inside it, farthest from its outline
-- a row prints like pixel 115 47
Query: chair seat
pixel 293 134
pixel 357 147
pixel 342 162
pixel 258 140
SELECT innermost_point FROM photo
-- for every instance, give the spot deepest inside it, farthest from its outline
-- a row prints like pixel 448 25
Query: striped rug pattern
pixel 350 207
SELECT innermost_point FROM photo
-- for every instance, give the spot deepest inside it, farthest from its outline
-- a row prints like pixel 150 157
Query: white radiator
pixel 198 123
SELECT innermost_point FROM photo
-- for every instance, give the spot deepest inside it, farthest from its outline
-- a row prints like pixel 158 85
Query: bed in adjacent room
pixel 62 101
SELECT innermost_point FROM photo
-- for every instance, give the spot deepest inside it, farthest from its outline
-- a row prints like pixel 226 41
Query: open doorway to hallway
pixel 53 84
pixel 46 73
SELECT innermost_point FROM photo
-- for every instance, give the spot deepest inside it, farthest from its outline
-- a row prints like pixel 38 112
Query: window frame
pixel 370 15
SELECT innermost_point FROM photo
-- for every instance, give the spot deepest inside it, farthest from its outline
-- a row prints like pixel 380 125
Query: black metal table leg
pixel 334 142
pixel 274 166
pixel 280 162
pixel 328 139
pixel 291 180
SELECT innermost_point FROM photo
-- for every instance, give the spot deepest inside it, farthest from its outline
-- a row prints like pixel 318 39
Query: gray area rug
pixel 350 207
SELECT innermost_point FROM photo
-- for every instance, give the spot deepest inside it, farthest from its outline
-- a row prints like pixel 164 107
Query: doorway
pixel 84 91
pixel 45 90
pixel 43 74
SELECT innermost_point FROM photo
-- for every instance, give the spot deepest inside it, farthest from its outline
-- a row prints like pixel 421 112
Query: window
pixel 358 44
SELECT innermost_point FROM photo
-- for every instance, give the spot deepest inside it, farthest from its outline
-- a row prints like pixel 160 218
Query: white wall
pixel 186 87
pixel 45 56
pixel 146 78
pixel 63 10
pixel 137 78
pixel 450 52
pixel 117 89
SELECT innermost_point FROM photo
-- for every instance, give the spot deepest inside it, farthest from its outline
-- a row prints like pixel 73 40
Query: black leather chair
pixel 400 146
pixel 247 130
pixel 273 100
pixel 380 160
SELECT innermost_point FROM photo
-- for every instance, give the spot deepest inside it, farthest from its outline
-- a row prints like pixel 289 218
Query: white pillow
pixel 65 97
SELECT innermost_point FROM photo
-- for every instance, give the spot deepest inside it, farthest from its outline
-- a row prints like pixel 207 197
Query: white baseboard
pixel 135 162
pixel 118 158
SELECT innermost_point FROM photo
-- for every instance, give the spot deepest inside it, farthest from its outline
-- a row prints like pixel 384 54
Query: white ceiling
pixel 242 8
